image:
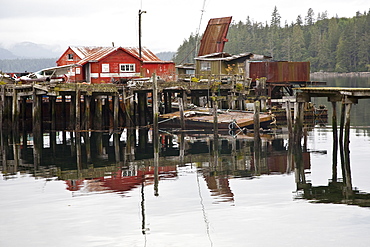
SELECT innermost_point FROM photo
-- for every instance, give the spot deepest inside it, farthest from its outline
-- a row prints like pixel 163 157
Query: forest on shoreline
pixel 330 44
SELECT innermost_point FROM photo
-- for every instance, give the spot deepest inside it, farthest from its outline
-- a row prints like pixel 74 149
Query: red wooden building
pixel 114 64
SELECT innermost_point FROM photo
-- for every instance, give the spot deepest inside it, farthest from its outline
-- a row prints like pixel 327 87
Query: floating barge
pixel 202 118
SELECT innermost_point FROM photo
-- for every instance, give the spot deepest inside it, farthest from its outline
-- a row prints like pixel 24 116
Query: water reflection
pixel 103 162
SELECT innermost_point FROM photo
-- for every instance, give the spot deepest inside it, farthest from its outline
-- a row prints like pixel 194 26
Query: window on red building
pixel 127 67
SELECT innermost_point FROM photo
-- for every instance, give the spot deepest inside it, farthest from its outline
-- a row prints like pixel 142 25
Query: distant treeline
pixel 335 44
pixel 23 65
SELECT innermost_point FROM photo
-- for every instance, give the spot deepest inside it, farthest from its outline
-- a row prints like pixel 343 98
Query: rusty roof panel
pixel 280 71
pixel 93 53
pixel 214 37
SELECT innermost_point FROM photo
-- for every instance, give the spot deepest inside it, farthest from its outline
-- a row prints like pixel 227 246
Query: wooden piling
pixel 78 109
pixel 215 117
pixel 87 112
pixel 15 110
pixel 341 138
pixel 181 108
pixel 335 141
pixel 115 111
pixel 72 111
pixel 2 102
pixel 98 116
pixel 155 134
pixel 346 145
pixel 52 100
pixel 289 118
pixel 256 117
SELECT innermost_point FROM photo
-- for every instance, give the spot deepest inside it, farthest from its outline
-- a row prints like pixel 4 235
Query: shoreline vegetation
pixel 338 74
pixel 328 43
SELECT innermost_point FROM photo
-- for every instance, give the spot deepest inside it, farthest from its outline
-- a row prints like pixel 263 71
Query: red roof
pixel 93 53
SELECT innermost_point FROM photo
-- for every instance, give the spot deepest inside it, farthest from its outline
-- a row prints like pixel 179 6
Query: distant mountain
pixel 166 56
pixel 26 64
pixel 6 54
pixel 30 50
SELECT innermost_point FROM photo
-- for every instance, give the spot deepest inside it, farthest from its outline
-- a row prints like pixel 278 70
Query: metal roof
pixel 214 37
pixel 94 53
pixel 218 56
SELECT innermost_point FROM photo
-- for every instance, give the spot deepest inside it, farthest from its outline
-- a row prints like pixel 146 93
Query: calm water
pixel 108 190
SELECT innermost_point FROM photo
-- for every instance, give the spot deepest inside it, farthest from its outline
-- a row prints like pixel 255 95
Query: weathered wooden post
pixel 15 108
pixel 289 118
pixel 155 134
pixel 215 116
pixel 87 101
pixel 341 137
pixel 36 112
pixel 2 102
pixel 64 114
pixel 52 100
pixel 72 111
pixel 181 108
pixel 78 109
pixel 335 142
pixel 98 117
pixel 256 118
pixel 36 128
pixel 115 111
pixel 24 112
pixel 348 105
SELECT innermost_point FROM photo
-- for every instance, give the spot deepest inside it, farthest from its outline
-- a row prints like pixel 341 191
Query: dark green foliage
pixel 335 44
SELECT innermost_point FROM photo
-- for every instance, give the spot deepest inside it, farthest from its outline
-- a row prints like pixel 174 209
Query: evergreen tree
pixel 335 44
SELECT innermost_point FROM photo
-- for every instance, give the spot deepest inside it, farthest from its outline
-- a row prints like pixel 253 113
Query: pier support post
pixel 24 112
pixel 289 118
pixel 52 100
pixel 142 104
pixel 98 117
pixel 2 95
pixel 36 128
pixel 348 181
pixel 181 108
pixel 15 108
pixel 87 113
pixel 335 141
pixel 215 117
pixel 256 117
pixel 63 115
pixel 115 111
pixel 78 109
pixel 72 112
pixel 155 134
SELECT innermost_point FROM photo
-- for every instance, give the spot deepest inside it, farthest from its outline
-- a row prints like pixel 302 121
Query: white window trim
pixel 131 67
pixel 105 68
pixel 205 66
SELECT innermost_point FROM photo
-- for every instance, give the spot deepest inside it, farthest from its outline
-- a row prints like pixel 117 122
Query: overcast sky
pixel 165 24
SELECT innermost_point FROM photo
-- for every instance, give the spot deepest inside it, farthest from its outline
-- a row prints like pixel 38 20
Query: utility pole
pixel 140 12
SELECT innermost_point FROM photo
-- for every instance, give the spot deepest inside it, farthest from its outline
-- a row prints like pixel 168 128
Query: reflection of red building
pixel 118 182
pixel 107 64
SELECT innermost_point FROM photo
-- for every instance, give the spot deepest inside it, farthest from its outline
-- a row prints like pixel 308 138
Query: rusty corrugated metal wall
pixel 280 71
